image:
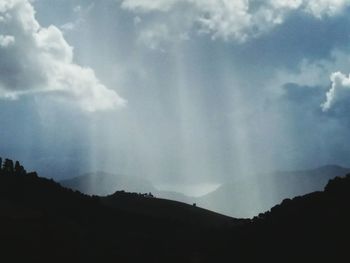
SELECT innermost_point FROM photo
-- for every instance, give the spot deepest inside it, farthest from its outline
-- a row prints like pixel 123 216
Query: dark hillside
pixel 40 221
pixel 270 189
pixel 166 209
pixel 310 228
pixel 46 221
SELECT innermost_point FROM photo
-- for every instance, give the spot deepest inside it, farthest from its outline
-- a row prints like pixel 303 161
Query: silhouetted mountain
pixel 239 198
pixel 46 221
pixel 40 221
pixel 171 195
pixel 102 183
pixel 311 228
pixel 251 197
pixel 164 209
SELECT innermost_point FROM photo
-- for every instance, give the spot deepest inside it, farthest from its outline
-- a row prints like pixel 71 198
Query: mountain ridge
pixel 42 221
pixel 273 188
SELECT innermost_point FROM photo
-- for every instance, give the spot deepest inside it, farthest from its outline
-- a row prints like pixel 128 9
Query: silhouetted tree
pixel 7 166
pixel 17 166
pixel 33 174
pixel 19 169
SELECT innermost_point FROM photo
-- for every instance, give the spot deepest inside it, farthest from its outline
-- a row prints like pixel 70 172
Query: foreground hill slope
pixel 166 209
pixel 50 223
pixel 310 228
pixel 40 221
pixel 269 190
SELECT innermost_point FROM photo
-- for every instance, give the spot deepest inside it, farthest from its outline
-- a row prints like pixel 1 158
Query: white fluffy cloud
pixel 340 91
pixel 325 7
pixel 6 41
pixel 145 5
pixel 236 19
pixel 36 59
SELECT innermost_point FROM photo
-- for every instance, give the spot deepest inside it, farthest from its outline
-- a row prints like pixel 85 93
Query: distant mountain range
pixel 247 198
pixel 240 198
pixel 102 183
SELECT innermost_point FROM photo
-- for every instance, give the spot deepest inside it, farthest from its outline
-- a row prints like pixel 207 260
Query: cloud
pixel 81 14
pixel 235 19
pixel 40 61
pixel 6 41
pixel 145 6
pixel 339 92
pixel 321 8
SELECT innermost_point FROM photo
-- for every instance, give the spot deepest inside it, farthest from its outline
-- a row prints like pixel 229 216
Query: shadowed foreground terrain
pixel 40 221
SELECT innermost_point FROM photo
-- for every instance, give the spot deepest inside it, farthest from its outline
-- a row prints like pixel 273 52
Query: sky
pixel 176 91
